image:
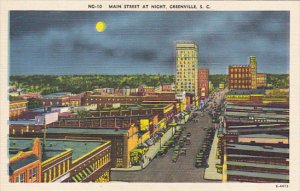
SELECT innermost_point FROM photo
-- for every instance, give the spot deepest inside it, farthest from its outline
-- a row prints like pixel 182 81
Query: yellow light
pixel 100 26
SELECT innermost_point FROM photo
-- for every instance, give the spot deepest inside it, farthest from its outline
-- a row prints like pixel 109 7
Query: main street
pixel 162 169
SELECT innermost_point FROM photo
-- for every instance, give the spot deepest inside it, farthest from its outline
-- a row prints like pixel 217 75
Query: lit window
pixel 21 177
pixel 33 174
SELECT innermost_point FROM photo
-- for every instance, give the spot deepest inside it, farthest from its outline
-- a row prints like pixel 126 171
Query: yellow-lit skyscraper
pixel 187 67
pixel 253 69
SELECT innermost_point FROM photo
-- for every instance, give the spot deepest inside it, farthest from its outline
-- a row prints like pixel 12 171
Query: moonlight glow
pixel 100 26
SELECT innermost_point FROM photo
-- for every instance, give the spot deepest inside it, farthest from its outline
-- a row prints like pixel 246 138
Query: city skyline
pixel 144 42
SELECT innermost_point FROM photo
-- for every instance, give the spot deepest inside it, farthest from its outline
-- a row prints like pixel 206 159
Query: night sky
pixel 43 42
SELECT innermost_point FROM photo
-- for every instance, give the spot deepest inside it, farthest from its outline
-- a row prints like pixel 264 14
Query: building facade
pixel 122 140
pixel 167 87
pixel 244 76
pixel 62 160
pixel 253 70
pixel 203 83
pixel 239 77
pixel 16 108
pixel 25 166
pixel 187 67
pixel 261 80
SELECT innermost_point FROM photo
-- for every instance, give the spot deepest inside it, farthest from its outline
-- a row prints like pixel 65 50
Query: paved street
pixel 161 169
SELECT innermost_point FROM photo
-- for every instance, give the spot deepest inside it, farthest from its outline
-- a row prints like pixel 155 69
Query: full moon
pixel 100 26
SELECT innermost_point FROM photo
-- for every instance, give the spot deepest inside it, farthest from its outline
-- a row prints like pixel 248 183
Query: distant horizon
pixel 122 74
pixel 68 42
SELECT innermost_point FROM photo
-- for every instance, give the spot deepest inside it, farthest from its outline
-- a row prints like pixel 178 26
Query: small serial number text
pixel 282 185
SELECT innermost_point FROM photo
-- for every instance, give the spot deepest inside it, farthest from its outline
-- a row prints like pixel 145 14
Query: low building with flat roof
pixel 17 108
pixel 255 163
pixel 25 162
pixel 68 160
pixel 122 140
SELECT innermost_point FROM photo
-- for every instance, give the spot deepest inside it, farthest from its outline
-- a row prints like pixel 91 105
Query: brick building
pixel 122 140
pixel 62 99
pixel 239 77
pixel 245 76
pixel 203 84
pixel 25 165
pixel 66 160
pixel 167 87
pixel 16 108
pixel 111 120
pixel 143 90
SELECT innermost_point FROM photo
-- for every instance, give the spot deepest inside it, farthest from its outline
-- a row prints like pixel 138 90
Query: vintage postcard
pixel 149 95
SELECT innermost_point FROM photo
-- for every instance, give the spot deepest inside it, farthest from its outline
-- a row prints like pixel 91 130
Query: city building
pixel 253 141
pixel 143 90
pixel 272 98
pixel 245 76
pixel 221 86
pixel 62 99
pixel 30 95
pixel 210 86
pixel 203 84
pixel 25 165
pixel 252 163
pixel 253 71
pixel 30 114
pixel 239 77
pixel 112 120
pixel 187 67
pixel 154 98
pixel 61 160
pixel 167 87
pixel 261 80
pixel 103 101
pixel 17 108
pixel 122 140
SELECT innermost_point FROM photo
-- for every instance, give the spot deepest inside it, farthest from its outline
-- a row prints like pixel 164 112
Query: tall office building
pixel 187 67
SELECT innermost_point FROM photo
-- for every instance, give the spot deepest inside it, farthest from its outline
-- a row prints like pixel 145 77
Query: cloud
pixel 144 42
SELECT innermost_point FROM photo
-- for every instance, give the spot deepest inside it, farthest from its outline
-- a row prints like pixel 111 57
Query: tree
pixel 83 114
pixel 34 103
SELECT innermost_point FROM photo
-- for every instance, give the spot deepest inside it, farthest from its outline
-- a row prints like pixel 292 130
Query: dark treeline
pixel 279 80
pixel 46 84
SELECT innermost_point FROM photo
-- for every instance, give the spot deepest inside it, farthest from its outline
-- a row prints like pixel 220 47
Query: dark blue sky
pixel 44 42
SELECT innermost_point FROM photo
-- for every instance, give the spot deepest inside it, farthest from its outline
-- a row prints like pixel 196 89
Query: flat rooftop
pixel 256 126
pixel 140 106
pixel 258 175
pixel 257 148
pixel 22 122
pixel 21 163
pixel 246 92
pixel 264 135
pixel 52 108
pixel 258 130
pixel 250 156
pixel 57 95
pixel 246 107
pixel 87 131
pixel 55 147
pixel 257 115
pixel 248 164
pixel 110 117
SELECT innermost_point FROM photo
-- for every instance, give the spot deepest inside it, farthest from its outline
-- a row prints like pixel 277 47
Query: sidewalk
pixel 150 154
pixel 211 172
